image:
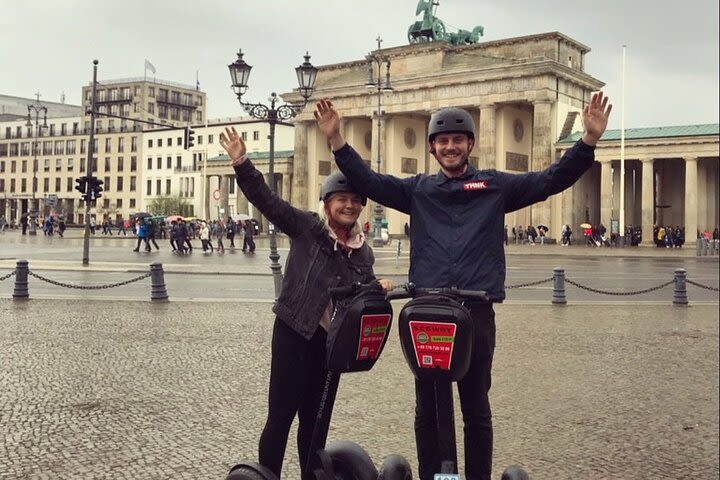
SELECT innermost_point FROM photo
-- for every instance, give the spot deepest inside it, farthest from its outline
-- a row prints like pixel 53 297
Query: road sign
pixel 216 194
pixel 51 200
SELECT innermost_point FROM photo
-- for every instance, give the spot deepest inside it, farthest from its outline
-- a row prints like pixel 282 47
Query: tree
pixel 169 205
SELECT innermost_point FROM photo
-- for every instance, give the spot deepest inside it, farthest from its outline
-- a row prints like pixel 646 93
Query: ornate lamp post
pixel 376 85
pixel 36 108
pixel 306 74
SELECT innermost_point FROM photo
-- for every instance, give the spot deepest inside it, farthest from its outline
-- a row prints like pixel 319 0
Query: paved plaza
pixel 134 390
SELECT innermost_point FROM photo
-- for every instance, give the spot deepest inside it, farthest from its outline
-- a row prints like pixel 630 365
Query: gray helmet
pixel 451 120
pixel 337 182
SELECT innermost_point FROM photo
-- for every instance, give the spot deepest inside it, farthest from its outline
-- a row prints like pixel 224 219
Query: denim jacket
pixel 314 262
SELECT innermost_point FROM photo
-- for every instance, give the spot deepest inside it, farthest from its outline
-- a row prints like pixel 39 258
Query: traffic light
pixel 189 138
pixel 81 186
pixel 95 188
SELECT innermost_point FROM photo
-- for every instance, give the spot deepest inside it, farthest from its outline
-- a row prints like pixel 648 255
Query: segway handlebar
pixel 354 289
pixel 410 290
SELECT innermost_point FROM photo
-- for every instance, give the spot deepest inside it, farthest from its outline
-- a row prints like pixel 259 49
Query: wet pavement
pixel 134 390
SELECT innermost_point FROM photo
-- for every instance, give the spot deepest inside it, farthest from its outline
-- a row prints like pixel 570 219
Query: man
pixel 456 232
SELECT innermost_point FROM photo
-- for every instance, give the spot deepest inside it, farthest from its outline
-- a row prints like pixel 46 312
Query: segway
pixel 358 332
pixel 436 335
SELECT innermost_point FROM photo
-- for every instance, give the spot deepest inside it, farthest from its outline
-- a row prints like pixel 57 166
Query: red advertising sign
pixel 433 342
pixel 373 329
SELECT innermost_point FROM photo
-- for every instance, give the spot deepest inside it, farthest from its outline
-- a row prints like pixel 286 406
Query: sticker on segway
pixel 433 343
pixel 446 476
pixel 373 329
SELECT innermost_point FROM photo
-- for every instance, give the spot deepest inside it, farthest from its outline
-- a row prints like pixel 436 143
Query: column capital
pixel 690 159
pixel 487 106
pixel 647 159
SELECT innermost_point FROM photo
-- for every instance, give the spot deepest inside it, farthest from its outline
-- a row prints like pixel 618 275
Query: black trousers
pixel 477 418
pixel 297 378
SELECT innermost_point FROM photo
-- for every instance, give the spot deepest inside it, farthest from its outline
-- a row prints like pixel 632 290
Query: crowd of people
pixel 181 232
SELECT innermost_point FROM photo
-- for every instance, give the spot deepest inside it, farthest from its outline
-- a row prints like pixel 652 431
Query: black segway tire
pixel 250 471
pixel 351 462
pixel 515 472
pixel 395 467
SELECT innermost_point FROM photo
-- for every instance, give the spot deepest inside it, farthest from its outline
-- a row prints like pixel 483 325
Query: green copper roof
pixel 653 132
pixel 255 156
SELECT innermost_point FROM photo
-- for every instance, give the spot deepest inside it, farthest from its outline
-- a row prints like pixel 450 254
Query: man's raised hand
pixel 595 118
pixel 233 145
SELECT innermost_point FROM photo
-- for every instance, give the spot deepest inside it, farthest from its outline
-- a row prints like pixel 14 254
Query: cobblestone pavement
pixel 123 390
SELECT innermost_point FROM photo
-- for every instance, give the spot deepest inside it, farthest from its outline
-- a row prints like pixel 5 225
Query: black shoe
pixel 135 250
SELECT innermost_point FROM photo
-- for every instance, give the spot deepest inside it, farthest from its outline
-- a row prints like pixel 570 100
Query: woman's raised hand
pixel 233 145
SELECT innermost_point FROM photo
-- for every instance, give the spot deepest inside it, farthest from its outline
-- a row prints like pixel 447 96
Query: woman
pixel 205 237
pixel 327 249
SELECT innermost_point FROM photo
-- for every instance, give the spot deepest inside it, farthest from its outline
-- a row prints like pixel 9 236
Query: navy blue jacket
pixel 456 224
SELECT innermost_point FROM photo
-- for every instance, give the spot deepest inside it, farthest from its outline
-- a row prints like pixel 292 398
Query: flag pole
pixel 621 233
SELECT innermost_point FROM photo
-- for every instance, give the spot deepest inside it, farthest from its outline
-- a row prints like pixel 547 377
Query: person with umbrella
pixel 542 230
pixel 456 221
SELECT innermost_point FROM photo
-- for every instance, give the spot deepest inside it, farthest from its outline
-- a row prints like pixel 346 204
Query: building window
pixel 210 138
pixel 23 185
pixel 69 184
pixel 70 165
pixel 107 164
pixel 244 136
pixel 47 148
pixel 120 164
pixel 151 108
pixel 200 139
pixel 58 165
pixel 82 164
pixel 167 187
pixel 133 144
pixel 106 181
pixel 149 188
pixel 132 203
pixel 149 163
pixel 178 162
pixel 121 145
pixel 83 146
pixel 119 203
pixel 150 142
pixel 23 166
pixel 46 185
pixel 60 147
pixel 12 185
pixel 169 142
pixel 57 184
pixel 256 135
pixel 158 187
pixel 108 145
pixel 46 165
pixel 119 184
pixel 168 161
pixel 159 163
pixel 133 163
pixel 133 184
pixel 151 92
pixel 70 147
pixel 13 167
pixel 159 142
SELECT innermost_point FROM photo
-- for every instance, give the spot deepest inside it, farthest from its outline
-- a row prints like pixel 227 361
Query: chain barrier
pixel 88 287
pixel 606 292
pixel 529 284
pixel 712 289
pixel 7 276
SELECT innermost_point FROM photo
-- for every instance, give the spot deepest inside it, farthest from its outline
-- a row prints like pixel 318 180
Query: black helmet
pixel 337 182
pixel 451 120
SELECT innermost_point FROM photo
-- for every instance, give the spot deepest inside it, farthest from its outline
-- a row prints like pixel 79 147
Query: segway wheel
pixel 395 467
pixel 351 462
pixel 250 471
pixel 515 472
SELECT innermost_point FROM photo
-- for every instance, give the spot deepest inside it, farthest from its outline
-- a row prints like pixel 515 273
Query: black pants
pixel 248 243
pixel 297 378
pixel 473 390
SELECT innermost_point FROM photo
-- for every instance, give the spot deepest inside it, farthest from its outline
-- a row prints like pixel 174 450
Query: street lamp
pixel 306 74
pixel 37 108
pixel 376 85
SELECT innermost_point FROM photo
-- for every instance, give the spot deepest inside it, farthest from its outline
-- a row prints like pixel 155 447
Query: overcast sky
pixel 49 45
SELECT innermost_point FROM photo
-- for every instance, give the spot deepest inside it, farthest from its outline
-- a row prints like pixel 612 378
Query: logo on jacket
pixel 475 185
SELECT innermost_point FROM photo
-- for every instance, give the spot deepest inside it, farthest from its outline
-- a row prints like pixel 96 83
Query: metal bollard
pixel 158 292
pixel 558 296
pixel 680 292
pixel 699 246
pixel 21 281
pixel 399 249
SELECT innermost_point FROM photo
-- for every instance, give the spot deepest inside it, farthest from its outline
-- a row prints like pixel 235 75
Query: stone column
pixel 286 187
pixel 606 193
pixel 485 138
pixel 299 191
pixel 542 155
pixel 208 197
pixel 648 202
pixel 224 195
pixel 241 202
pixel 691 197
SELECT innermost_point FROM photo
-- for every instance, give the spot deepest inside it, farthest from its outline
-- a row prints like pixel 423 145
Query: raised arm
pixel 390 191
